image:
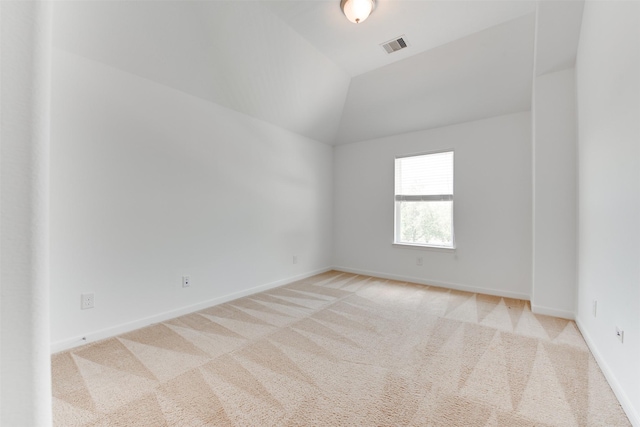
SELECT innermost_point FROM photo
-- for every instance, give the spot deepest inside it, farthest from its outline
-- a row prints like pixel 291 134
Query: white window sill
pixel 425 247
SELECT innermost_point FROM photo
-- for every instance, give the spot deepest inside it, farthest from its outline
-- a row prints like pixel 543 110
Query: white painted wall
pixel 149 183
pixel 608 100
pixel 25 363
pixel 555 198
pixel 492 207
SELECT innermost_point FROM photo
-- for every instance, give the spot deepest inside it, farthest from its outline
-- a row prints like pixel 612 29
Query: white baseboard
pixel 624 400
pixel 456 286
pixel 547 311
pixel 161 317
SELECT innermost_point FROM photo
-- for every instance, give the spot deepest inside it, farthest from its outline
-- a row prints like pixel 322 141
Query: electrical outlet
pixel 620 334
pixel 186 281
pixel 295 259
pixel 595 308
pixel 86 301
pixel 419 261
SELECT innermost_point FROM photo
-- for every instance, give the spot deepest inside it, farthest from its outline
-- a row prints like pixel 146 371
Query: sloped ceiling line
pixel 302 66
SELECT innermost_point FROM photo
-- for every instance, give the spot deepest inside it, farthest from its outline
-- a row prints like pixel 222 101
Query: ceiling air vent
pixel 395 44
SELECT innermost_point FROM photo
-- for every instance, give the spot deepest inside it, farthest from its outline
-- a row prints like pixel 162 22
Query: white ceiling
pixel 425 24
pixel 558 34
pixel 483 75
pixel 233 53
pixel 300 65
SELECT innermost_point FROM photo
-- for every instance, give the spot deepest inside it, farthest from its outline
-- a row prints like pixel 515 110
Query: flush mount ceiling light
pixel 356 11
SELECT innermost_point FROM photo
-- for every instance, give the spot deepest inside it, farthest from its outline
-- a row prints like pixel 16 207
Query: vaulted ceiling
pixel 299 64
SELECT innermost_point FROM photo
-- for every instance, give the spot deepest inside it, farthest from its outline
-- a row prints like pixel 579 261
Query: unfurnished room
pixel 320 213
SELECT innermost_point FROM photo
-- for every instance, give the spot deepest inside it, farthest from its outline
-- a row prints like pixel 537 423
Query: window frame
pixel 396 206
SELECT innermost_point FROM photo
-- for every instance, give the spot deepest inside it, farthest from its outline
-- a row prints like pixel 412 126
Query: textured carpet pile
pixel 340 349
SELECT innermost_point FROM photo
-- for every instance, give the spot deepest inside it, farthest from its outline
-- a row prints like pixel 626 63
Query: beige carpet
pixel 341 350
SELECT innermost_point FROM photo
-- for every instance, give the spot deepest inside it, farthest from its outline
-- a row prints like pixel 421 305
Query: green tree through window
pixel 424 199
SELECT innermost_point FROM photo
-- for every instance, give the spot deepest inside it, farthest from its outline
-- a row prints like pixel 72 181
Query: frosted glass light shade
pixel 356 11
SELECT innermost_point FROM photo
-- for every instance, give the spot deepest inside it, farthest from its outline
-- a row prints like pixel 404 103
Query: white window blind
pixel 426 175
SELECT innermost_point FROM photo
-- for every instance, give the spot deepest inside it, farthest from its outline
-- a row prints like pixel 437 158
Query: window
pixel 424 200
